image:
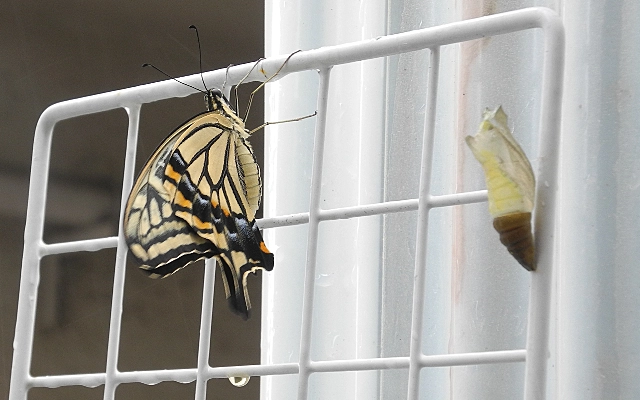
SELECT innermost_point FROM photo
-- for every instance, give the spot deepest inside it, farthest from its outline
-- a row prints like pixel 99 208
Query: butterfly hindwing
pixel 196 198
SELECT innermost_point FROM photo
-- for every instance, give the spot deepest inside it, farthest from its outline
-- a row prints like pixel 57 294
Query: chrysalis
pixel 510 183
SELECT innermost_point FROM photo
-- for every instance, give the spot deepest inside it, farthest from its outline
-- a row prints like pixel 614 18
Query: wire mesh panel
pixel 323 59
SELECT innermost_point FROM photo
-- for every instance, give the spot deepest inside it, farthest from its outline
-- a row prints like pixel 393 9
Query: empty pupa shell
pixel 510 183
pixel 515 234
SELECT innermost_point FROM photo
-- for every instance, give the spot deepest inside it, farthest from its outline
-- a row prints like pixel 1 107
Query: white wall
pixel 599 282
pixel 476 295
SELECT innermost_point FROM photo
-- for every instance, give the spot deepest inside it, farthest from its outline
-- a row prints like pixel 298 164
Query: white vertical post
pixel 312 237
pixel 206 315
pixel 415 351
pixel 347 311
pixel 30 273
pixel 599 278
pixel 115 322
pixel 541 312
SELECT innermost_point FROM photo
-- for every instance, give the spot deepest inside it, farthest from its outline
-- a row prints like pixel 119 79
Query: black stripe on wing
pixel 242 249
pixel 246 254
pixel 167 243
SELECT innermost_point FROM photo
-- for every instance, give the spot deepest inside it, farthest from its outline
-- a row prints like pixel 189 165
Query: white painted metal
pixel 205 330
pixel 117 297
pixel 306 363
pixel 312 236
pixel 415 351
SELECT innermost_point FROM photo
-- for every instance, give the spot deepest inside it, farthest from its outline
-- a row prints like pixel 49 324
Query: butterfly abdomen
pixel 249 172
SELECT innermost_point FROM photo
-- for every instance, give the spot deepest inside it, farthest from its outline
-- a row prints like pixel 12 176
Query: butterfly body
pixel 196 197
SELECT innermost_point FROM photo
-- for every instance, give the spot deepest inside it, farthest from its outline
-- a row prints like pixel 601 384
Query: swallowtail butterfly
pixel 197 196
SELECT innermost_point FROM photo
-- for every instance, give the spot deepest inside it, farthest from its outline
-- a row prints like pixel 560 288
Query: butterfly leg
pixel 240 83
pixel 264 83
pixel 282 122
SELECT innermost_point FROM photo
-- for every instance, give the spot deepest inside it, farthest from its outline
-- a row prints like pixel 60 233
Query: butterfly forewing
pixel 156 237
pixel 196 198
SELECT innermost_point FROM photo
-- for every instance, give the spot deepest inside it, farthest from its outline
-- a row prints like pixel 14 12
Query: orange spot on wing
pixel 181 200
pixel 264 249
pixel 201 225
pixel 171 173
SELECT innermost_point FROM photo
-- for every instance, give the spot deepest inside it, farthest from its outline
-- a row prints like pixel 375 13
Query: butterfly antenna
pixel 171 77
pixel 200 55
pixel 246 115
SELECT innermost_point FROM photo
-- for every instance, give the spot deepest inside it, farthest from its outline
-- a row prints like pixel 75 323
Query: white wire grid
pixel 536 353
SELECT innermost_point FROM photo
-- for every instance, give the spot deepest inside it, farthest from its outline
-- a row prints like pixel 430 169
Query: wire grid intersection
pixel 322 60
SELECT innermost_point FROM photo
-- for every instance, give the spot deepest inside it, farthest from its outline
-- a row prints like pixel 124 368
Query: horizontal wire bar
pixel 188 375
pixel 457 199
pixel 370 364
pixel 294 219
pixel 455 32
pixel 185 375
pixel 54 381
pixel 79 245
pixel 369 210
pixel 487 357
pixel 254 370
pixel 153 377
pixel 283 220
pixel 388 207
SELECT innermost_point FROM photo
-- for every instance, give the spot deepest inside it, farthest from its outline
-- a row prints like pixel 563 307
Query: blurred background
pixel 53 52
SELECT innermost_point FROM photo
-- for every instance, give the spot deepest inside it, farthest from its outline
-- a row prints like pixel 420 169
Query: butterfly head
pixel 214 99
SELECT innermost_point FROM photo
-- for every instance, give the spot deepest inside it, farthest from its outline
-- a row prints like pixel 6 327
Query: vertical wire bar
pixel 121 258
pixel 415 350
pixel 546 192
pixel 312 238
pixel 30 273
pixel 205 328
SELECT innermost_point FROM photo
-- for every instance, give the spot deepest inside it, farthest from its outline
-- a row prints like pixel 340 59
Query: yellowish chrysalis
pixel 510 184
